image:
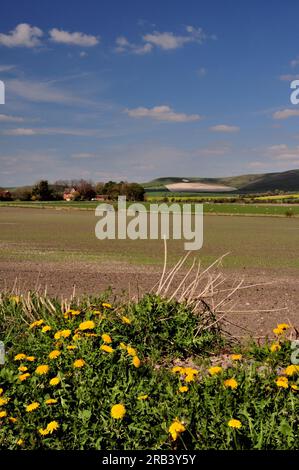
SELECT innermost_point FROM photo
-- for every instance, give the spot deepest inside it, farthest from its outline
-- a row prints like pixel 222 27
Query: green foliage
pixel 161 334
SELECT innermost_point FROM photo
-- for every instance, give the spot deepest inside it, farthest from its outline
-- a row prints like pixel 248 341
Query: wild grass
pixel 152 373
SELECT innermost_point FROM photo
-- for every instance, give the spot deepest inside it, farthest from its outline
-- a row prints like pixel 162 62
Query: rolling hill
pixel 248 183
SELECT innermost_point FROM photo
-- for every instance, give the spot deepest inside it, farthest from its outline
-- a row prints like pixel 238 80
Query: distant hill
pixel 251 183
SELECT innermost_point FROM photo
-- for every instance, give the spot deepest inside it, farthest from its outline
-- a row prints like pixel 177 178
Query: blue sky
pixel 140 89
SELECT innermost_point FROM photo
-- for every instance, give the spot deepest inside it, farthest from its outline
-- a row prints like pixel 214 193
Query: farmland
pixel 58 249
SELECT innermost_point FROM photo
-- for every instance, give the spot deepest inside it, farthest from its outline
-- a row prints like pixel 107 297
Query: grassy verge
pixel 89 375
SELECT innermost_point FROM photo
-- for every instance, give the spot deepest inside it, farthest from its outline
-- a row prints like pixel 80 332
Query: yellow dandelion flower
pixel 177 369
pixel 30 358
pixel 54 381
pixel 277 331
pixel 36 323
pixel 131 351
pixel 142 397
pixel 74 313
pixel 190 371
pixel 4 401
pixel 176 428
pixel 12 419
pixel 20 357
pixel 214 370
pixel 42 369
pixel 52 426
pixel 32 406
pixel 62 334
pixel 106 348
pixel 51 401
pixel 105 305
pixel 22 368
pixel 136 361
pixel 15 299
pixel 283 326
pixel 291 370
pixel 76 337
pixel 20 442
pixel 231 383
pixel 295 387
pixel 43 432
pixel 87 325
pixel 275 347
pixel 79 363
pixel 1 391
pixel 3 414
pixel 54 354
pixel 183 389
pixel 236 357
pixel 118 411
pixel 234 423
pixel 46 328
pixel 282 382
pixel 23 377
pixel 96 312
pixel 106 338
pixel 122 346
pixel 126 320
pixel 71 347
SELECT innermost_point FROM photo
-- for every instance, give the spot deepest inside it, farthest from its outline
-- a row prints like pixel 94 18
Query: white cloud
pixel 8 118
pixel 162 113
pixel 169 40
pixel 23 35
pixel 285 113
pixel 44 92
pixel 6 68
pixel 123 45
pixel 162 40
pixel 74 39
pixel 224 128
pixel 283 152
pixel 26 131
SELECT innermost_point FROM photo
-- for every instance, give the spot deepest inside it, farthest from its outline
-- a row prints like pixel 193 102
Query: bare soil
pixel 256 309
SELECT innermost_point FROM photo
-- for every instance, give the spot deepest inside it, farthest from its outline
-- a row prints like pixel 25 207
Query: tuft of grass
pixel 161 334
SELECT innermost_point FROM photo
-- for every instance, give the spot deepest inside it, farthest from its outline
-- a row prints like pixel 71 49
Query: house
pixel 5 195
pixel 100 197
pixel 69 194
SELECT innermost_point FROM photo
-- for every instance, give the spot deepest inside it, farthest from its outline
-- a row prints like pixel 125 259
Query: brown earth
pixel 274 299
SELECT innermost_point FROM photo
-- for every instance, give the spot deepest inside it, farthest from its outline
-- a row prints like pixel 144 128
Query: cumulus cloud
pixel 283 152
pixel 224 128
pixel 286 113
pixel 74 39
pixel 162 113
pixel 23 35
pixel 168 40
pixel 123 45
pixel 162 40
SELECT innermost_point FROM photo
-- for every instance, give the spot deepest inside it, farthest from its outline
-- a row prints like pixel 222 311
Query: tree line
pixel 80 190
